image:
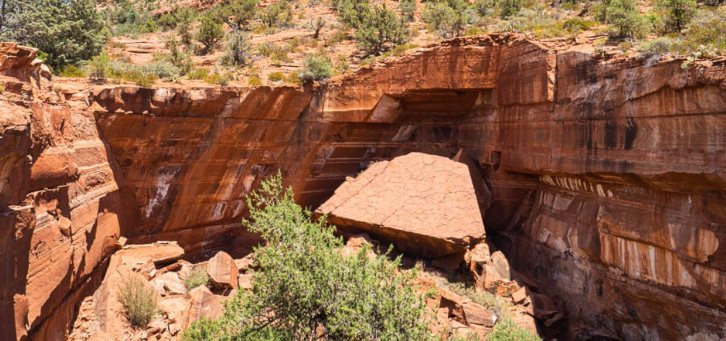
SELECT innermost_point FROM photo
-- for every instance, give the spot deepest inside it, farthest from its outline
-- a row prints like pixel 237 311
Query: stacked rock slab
pixel 424 204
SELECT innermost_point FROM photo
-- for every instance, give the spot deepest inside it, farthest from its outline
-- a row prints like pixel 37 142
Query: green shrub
pixel 138 299
pixel 657 47
pixel 676 14
pixel 277 14
pixel 71 71
pixel 706 34
pixel 218 78
pixel 352 12
pixel 507 330
pixel 276 76
pixel 294 78
pixel 305 283
pixel 266 48
pixel 66 31
pixel 178 57
pixel 185 19
pixel 197 277
pixel 508 8
pixel 443 19
pixel 99 67
pixel 237 13
pixel 317 67
pixel 209 33
pixel 254 80
pixel 238 50
pixel 200 73
pixel 623 17
pixel 407 9
pixel 380 30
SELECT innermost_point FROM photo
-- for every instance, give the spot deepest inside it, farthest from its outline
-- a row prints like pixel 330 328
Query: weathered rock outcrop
pixel 603 180
pixel 61 210
pixel 424 204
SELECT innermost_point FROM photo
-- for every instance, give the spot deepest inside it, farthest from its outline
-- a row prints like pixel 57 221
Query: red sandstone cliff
pixel 607 177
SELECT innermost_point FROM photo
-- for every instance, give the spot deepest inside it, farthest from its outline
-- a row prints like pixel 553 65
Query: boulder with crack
pixel 424 204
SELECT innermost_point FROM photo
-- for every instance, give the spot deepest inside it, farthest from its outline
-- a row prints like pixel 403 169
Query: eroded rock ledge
pixel 606 179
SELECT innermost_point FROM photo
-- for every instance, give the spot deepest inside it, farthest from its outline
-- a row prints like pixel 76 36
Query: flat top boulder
pixel 160 252
pixel 424 204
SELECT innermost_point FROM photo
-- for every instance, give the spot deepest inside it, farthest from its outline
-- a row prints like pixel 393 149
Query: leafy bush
pixel 237 13
pixel 277 14
pixel 197 277
pixel 444 20
pixel 317 67
pixel 380 30
pixel 508 8
pixel 200 73
pixel 407 9
pixel 178 57
pixel 238 50
pixel 276 76
pixel 676 13
pixel 71 71
pixel 304 284
pixel 507 330
pixel 185 19
pixel 218 78
pixel 254 80
pixel 706 35
pixel 138 299
pixel 657 47
pixel 210 33
pixel 67 31
pixel 624 18
pixel 352 12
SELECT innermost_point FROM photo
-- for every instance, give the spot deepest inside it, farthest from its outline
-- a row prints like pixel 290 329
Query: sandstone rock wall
pixel 606 178
pixel 61 207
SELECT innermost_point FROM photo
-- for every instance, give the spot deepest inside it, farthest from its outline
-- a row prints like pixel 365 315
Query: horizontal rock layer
pixel 607 175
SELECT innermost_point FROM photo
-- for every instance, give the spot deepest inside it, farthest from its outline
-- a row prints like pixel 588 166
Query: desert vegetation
pixel 230 39
pixel 138 300
pixel 306 288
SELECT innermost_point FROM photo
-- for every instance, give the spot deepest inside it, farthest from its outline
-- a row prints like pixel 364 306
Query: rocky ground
pixel 456 308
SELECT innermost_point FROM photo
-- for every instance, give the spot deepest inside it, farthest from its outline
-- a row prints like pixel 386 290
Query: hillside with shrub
pixel 253 42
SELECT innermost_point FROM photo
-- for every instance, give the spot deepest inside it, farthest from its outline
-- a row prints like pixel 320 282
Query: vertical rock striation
pixel 605 179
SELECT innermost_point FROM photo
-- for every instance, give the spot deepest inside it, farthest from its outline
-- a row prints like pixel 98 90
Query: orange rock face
pixel 424 204
pixel 606 178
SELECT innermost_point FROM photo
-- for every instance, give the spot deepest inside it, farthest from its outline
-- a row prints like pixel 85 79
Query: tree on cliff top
pixel 307 289
pixel 67 31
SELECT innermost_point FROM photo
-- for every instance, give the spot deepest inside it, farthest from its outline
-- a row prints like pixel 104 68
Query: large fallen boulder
pixel 424 204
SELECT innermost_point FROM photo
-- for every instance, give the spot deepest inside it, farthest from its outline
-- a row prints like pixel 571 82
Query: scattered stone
pixel 245 281
pixel 204 304
pixel 519 296
pixel 171 283
pixel 424 204
pixel 160 253
pixel 245 262
pixel 223 271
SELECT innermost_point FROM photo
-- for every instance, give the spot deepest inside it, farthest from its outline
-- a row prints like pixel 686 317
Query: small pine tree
pixel 380 30
pixel 677 13
pixel 210 33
